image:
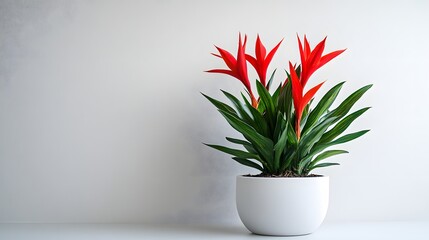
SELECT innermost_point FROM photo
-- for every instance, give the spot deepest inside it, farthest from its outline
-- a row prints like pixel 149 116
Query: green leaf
pixel 348 137
pixel 348 103
pixel 322 165
pixel 261 107
pixel 271 79
pixel 248 146
pixel 285 100
pixel 258 118
pixel 308 141
pixel 234 152
pixel 240 108
pixel 275 96
pixel 322 106
pixel 325 155
pixel 291 135
pixel 266 99
pixel 280 125
pixel 287 160
pixel 313 136
pixel 341 126
pixel 248 163
pixel 305 114
pixel 263 145
pixel 279 147
pixel 220 105
pixel 238 141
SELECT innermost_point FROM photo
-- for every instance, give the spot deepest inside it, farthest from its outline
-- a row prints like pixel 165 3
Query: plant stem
pixel 298 129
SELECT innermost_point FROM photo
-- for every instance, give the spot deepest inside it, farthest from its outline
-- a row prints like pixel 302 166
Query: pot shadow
pixel 213 230
pixel 219 231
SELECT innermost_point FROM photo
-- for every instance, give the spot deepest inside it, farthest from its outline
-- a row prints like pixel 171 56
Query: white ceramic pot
pixel 282 206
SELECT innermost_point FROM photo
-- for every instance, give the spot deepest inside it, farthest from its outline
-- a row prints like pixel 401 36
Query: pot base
pixel 282 206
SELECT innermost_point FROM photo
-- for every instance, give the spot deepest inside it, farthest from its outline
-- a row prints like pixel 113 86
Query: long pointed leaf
pixel 248 146
pixel 276 95
pixel 240 108
pixel 349 137
pixel 265 98
pixel 322 106
pixel 348 103
pixel 342 125
pixel 312 137
pixel 291 135
pixel 305 113
pixel 258 118
pixel 234 152
pixel 263 145
pixel 279 147
pixel 323 165
pixel 325 155
pixel 280 125
pixel 287 160
pixel 285 100
pixel 346 138
pixel 220 105
pixel 248 163
pixel 271 79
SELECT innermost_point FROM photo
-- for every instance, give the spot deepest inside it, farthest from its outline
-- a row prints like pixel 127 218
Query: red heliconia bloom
pixel 237 66
pixel 311 60
pixel 261 60
pixel 300 100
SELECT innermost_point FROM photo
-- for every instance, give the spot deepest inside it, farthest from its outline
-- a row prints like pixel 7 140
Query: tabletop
pixel 331 231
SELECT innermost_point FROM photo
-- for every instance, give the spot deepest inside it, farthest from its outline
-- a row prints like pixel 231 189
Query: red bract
pixel 261 60
pixel 237 66
pixel 311 60
pixel 300 100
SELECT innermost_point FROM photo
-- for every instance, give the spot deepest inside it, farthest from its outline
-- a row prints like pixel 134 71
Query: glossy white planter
pixel 282 206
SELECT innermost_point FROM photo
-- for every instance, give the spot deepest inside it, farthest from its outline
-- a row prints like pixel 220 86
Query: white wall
pixel 101 119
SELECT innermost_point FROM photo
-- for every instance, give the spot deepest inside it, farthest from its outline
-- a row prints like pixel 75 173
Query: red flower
pixel 262 60
pixel 237 66
pixel 311 60
pixel 300 100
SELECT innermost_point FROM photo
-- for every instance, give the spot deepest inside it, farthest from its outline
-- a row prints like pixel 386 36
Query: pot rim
pixel 283 178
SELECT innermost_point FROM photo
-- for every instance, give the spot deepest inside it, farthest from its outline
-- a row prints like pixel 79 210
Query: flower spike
pixel 261 61
pixel 237 66
pixel 311 60
pixel 300 100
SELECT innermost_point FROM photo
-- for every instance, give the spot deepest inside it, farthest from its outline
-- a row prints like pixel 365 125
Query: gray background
pixel 101 119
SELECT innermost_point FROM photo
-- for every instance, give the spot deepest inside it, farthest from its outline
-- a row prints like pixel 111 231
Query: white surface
pixel 101 119
pixel 350 231
pixel 282 206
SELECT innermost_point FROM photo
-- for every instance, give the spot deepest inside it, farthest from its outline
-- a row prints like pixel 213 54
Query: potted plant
pixel 286 135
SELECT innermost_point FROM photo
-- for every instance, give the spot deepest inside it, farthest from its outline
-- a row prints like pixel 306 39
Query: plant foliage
pixel 285 131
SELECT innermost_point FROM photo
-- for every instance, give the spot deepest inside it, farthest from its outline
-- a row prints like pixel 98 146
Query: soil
pixel 287 174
